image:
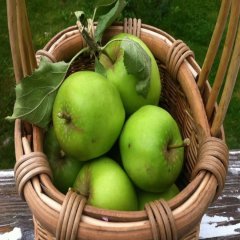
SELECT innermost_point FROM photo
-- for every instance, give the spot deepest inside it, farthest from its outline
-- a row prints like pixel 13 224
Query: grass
pixel 190 20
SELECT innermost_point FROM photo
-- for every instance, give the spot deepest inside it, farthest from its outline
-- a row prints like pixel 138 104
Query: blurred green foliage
pixel 190 20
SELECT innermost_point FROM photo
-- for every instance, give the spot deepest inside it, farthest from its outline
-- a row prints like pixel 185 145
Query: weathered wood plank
pixel 15 216
pixel 221 221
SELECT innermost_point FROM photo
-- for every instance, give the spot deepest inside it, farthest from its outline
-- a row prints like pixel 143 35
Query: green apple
pixel 88 115
pixel 149 146
pixel 145 197
pixel 65 169
pixel 112 59
pixel 105 185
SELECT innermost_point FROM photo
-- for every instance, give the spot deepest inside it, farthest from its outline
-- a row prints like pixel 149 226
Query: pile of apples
pixel 111 144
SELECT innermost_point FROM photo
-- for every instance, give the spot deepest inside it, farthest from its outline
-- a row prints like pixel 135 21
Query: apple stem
pixel 94 47
pixel 65 116
pixel 186 142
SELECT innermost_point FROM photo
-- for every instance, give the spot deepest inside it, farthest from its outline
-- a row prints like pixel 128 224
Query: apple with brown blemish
pixel 152 149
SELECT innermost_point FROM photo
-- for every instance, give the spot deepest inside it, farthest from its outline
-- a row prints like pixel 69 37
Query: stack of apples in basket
pixel 107 138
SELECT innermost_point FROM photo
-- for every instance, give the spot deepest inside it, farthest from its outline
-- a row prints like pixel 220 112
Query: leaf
pixel 106 20
pixel 137 63
pixel 36 93
pixel 99 68
pixel 104 3
pixel 102 7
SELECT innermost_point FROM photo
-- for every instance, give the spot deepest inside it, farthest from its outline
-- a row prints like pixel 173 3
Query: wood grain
pixel 14 213
pixel 221 221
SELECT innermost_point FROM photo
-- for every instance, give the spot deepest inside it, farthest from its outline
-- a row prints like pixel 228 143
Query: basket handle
pixel 229 63
pixel 23 54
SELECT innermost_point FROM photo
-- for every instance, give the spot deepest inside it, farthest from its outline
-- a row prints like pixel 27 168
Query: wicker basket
pixel 186 95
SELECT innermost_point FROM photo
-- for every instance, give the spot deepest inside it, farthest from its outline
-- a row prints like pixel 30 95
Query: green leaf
pixel 36 93
pixel 102 7
pixel 104 3
pixel 99 68
pixel 106 20
pixel 137 63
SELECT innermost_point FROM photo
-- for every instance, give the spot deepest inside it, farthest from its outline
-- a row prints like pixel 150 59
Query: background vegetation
pixel 190 20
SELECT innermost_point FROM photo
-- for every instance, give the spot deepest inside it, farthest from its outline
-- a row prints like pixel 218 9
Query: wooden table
pixel 221 221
